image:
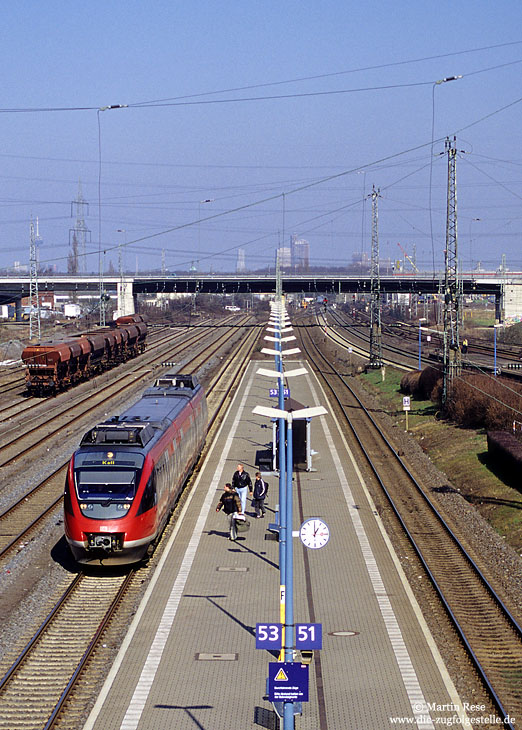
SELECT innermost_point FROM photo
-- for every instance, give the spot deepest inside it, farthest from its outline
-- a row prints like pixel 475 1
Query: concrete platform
pixel 189 660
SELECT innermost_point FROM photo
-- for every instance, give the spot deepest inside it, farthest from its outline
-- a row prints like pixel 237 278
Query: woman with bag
pixel 231 504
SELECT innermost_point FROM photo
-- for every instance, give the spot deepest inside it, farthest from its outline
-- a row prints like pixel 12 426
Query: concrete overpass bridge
pixel 506 287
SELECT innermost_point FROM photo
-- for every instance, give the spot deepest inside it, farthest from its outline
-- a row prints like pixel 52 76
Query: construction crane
pixel 412 262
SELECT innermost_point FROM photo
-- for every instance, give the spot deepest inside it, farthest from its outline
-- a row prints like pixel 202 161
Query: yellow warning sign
pixel 281 676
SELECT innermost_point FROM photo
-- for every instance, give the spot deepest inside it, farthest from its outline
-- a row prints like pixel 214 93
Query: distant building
pixel 46 300
pixel 300 253
pixel 284 258
pixel 360 261
pixel 240 263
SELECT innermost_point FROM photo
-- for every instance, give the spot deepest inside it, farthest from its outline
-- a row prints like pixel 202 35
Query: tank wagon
pixel 124 480
pixel 58 364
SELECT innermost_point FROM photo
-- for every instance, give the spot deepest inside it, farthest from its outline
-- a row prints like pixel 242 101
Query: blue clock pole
pixel 289 559
pixel 282 480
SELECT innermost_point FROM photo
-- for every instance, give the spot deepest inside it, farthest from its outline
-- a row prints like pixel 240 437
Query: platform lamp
pixel 279 526
pixel 280 376
pixel 283 330
pixel 277 317
pixel 279 354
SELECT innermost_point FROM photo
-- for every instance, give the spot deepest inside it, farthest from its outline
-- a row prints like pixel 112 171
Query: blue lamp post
pixel 420 363
pixel 288 708
pixel 289 639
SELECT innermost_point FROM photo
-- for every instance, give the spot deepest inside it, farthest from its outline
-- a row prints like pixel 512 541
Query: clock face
pixel 314 533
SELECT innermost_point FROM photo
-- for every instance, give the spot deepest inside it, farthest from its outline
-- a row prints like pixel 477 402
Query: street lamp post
pixel 437 83
pixel 201 202
pixel 121 293
pixel 495 326
pixel 470 243
pixel 420 362
pixel 421 320
pixel 363 173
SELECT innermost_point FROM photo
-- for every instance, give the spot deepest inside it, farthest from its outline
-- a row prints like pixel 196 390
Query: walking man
pixel 231 504
pixel 260 492
pixel 241 482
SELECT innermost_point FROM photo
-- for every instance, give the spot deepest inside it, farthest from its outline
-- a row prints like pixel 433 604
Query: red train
pixel 55 365
pixel 123 481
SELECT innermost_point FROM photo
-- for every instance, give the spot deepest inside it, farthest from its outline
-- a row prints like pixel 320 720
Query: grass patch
pixel 460 453
pixel 390 397
pixel 484 319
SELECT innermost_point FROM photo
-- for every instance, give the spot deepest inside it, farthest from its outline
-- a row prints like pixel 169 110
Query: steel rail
pixel 55 503
pixel 245 353
pixel 43 626
pixel 89 650
pixel 508 615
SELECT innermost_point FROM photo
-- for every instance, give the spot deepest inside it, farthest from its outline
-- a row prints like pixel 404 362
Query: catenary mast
pixel 34 299
pixel 80 235
pixel 452 292
pixel 375 303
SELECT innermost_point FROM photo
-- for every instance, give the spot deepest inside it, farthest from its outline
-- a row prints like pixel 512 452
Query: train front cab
pixel 110 505
pixel 124 481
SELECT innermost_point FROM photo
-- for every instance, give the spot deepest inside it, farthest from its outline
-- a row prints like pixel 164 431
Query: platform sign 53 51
pixel 274 392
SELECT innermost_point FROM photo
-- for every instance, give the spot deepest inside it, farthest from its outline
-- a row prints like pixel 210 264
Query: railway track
pixel 487 629
pixel 11 412
pixel 22 517
pixel 37 684
pixel 359 341
pixel 19 521
pixel 411 332
pixel 406 351
pixel 50 667
pixel 54 662
pixel 401 359
pixel 21 440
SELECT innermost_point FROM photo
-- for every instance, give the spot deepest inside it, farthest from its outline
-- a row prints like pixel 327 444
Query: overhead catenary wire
pixel 269 97
pixel 301 188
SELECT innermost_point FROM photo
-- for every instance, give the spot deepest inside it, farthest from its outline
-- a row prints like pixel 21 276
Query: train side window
pixel 148 500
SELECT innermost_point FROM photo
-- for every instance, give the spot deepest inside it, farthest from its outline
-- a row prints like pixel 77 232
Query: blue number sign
pixel 269 636
pixel 274 392
pixel 308 636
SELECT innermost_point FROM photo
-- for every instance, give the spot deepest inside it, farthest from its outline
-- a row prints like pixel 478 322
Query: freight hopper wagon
pixel 124 480
pixel 58 364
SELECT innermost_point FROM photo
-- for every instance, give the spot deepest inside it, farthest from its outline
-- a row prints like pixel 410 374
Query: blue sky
pixel 357 105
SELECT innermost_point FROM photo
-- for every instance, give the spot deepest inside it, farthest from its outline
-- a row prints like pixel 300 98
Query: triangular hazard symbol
pixel 281 676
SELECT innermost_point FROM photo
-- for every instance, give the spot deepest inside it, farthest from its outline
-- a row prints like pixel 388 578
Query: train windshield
pixel 106 484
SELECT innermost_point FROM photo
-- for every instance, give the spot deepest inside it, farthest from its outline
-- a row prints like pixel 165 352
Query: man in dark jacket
pixel 241 482
pixel 260 492
pixel 231 504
